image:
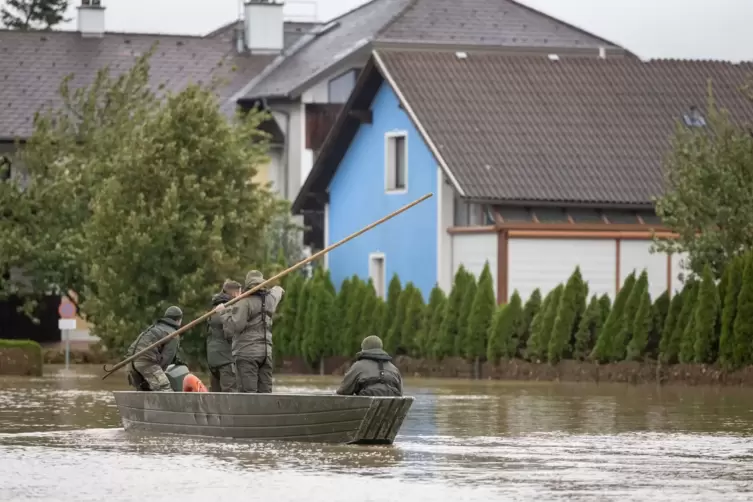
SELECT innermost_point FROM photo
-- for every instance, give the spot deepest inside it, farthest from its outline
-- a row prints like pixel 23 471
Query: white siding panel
pixel 545 263
pixel 677 269
pixel 635 255
pixel 473 251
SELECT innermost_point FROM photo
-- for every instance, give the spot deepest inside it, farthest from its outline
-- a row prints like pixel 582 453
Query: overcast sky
pixel 698 29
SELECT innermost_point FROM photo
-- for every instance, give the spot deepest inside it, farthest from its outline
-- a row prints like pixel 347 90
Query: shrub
pixel 659 312
pixel 641 326
pixel 411 327
pixel 342 336
pixel 532 307
pixel 625 332
pixel 351 336
pixel 534 348
pixel 390 311
pixel 603 351
pixel 506 329
pixel 687 320
pixel 318 341
pixel 394 340
pixel 465 315
pixel 435 328
pixel 565 318
pixel 450 329
pixel 706 340
pixel 743 324
pixel 426 337
pixel 734 273
pixel 588 330
pixel 482 310
pixel 667 349
pixel 539 342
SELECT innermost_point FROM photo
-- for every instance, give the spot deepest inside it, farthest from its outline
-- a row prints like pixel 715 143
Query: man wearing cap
pixel 373 373
pixel 249 324
pixel 147 372
pixel 219 351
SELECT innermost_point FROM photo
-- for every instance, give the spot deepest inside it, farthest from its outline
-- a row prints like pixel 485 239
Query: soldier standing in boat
pixel 147 372
pixel 249 323
pixel 219 350
pixel 373 373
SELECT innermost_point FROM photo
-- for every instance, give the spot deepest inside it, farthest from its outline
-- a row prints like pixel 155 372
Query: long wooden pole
pixel 251 291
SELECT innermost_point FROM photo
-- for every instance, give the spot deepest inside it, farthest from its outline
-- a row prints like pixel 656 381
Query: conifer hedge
pixel 705 322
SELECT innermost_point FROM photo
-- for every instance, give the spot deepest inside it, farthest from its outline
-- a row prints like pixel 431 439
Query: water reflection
pixel 462 440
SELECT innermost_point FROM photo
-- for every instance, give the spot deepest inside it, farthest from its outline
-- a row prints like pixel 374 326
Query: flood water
pixel 61 440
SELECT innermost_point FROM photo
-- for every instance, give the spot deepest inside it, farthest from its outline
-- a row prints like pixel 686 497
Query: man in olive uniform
pixel 249 323
pixel 219 351
pixel 147 372
pixel 373 373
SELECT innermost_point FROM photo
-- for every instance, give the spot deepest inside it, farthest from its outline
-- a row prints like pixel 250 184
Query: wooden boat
pixel 266 417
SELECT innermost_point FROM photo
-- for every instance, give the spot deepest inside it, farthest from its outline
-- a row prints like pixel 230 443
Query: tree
pixel 350 338
pixel 284 325
pixel 566 317
pixel 33 14
pixel 743 324
pixel 588 330
pixel 480 318
pixel 538 346
pixel 603 349
pixel 709 178
pixel 433 338
pixel 450 329
pixel 426 337
pixel 109 163
pixel 394 341
pixel 414 315
pixel 640 328
pixel 532 307
pixel 659 311
pixel 684 320
pixel 465 314
pixel 506 329
pixel 687 335
pixel 533 347
pixel 342 335
pixel 606 307
pixel 393 296
pixel 706 346
pixel 629 316
pixel 318 344
pixel 734 272
pixel 368 324
pixel 667 349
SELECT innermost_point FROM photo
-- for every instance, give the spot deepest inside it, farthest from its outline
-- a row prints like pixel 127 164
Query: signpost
pixel 66 323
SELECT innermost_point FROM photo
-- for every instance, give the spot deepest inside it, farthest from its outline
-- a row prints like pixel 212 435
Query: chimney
pixel 91 18
pixel 263 23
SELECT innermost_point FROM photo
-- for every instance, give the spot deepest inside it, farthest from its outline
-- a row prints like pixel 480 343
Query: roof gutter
pixel 414 118
pixel 562 204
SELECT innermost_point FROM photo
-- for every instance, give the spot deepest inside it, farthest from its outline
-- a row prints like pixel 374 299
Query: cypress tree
pixel 742 327
pixel 532 307
pixel 394 341
pixel 659 311
pixel 588 330
pixel 393 296
pixel 539 343
pixel 689 295
pixel 565 318
pixel 533 344
pixel 687 335
pixel 640 328
pixel 301 316
pixel 465 315
pixel 606 307
pixel 733 272
pixel 668 352
pixel 284 325
pixel 706 337
pixel 435 328
pixel 368 324
pixel 450 329
pixel 327 281
pixel 482 310
pixel 317 343
pixel 414 315
pixel 506 329
pixel 426 337
pixel 342 338
pixel 603 349
pixel 633 304
pixel 351 336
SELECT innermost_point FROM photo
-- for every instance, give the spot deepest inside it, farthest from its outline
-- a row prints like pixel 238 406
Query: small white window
pixel 396 162
pixel 377 273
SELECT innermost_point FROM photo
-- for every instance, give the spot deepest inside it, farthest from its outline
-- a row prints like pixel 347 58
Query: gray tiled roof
pixel 485 22
pixel 580 129
pixel 32 65
pixel 498 23
pixel 292 31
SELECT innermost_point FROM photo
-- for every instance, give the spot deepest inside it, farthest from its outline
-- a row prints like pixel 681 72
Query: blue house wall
pixel 357 197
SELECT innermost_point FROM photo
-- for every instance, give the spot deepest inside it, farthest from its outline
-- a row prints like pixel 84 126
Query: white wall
pixel 445 213
pixel 635 256
pixel 545 263
pixel 473 251
pixel 290 168
pixel 317 93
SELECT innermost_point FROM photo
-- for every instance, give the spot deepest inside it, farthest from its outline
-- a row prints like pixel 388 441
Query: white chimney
pixel 263 22
pixel 91 18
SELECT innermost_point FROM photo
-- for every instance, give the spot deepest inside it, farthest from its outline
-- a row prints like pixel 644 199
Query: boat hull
pixel 266 417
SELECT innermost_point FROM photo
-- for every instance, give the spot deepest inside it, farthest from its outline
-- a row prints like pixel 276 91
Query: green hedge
pixel 704 323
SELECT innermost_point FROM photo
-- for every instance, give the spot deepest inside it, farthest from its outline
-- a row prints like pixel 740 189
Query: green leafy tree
pixel 709 186
pixel 394 343
pixel 630 313
pixel 538 346
pixel 368 324
pixel 426 337
pixel 435 328
pixel 450 329
pixel 482 309
pixel 412 323
pixel 659 311
pixel 683 328
pixel 350 338
pixel 606 307
pixel 706 337
pixel 464 327
pixel 734 273
pixel 342 336
pixel 393 296
pixel 318 344
pixel 641 326
pixel 33 14
pixel 588 330
pixel 743 324
pixel 533 347
pixel 603 350
pixel 284 324
pixel 507 327
pixel 565 319
pixel 667 349
pixel 301 318
pixel 532 307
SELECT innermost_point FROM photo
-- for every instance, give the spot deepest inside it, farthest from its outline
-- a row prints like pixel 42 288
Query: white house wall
pixel 635 256
pixel 473 251
pixel 445 213
pixel 317 93
pixel 545 263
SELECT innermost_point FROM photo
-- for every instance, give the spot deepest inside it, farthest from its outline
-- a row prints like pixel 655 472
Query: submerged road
pixel 61 440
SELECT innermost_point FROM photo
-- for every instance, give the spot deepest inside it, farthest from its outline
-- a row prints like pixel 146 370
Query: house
pixel 538 164
pixel 307 85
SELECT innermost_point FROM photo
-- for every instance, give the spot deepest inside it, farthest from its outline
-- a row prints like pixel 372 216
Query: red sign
pixel 67 310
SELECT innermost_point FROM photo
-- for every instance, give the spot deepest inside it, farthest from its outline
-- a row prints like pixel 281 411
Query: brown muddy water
pixel 61 440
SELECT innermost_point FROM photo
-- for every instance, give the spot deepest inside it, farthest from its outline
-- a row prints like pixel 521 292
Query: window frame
pixel 373 259
pixel 390 167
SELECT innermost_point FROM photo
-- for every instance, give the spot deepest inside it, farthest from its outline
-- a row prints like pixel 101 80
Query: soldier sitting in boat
pixel 373 373
pixel 219 351
pixel 147 372
pixel 249 323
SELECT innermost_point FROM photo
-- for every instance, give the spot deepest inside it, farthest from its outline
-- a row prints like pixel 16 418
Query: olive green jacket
pixel 248 327
pixel 219 352
pixel 165 354
pixel 364 379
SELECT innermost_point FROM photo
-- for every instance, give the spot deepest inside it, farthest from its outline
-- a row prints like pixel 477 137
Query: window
pixel 470 214
pixel 340 87
pixel 694 118
pixel 396 162
pixel 377 273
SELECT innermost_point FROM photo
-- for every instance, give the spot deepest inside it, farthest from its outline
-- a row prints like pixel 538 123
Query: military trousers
pixel 254 374
pixel 154 376
pixel 223 378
